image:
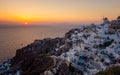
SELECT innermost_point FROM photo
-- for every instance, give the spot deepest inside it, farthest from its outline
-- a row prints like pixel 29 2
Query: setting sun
pixel 26 23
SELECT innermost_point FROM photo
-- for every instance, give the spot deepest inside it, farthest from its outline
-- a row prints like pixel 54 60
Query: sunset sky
pixel 57 11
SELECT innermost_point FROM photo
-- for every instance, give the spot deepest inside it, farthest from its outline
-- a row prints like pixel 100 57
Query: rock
pixel 111 71
pixel 31 51
pixel 63 68
pixel 30 56
pixel 48 73
pixel 39 65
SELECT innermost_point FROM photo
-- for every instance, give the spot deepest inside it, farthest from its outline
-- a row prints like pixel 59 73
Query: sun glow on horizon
pixel 26 23
pixel 31 11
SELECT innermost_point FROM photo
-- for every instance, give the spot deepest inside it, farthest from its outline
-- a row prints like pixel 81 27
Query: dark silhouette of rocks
pixel 38 65
pixel 36 55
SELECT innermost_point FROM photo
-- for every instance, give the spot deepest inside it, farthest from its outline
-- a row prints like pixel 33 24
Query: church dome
pixel 118 17
pixel 105 18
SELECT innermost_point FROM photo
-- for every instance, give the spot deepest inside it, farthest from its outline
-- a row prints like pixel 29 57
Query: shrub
pixel 110 71
pixel 105 44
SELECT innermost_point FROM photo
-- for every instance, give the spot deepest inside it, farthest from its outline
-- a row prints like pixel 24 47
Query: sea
pixel 16 37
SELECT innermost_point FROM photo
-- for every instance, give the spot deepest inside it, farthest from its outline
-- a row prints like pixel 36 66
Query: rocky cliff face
pixel 45 46
pixel 83 51
pixel 35 58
